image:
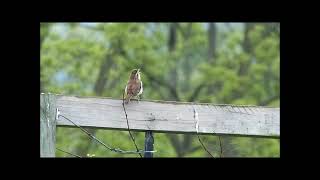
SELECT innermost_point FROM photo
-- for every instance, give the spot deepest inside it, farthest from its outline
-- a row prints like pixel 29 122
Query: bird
pixel 134 86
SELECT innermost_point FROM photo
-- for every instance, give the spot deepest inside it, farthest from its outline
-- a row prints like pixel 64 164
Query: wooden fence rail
pixel 159 116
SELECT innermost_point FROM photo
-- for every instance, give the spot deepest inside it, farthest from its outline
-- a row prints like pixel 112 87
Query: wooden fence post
pixel 47 125
pixel 148 144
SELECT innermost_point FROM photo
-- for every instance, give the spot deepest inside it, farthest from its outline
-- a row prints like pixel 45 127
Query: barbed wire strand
pixel 100 142
pixel 204 146
pixel 133 140
pixel 195 116
pixel 220 144
pixel 68 153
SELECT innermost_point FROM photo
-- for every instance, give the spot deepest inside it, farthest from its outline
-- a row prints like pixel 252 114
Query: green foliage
pixel 258 147
pixel 72 55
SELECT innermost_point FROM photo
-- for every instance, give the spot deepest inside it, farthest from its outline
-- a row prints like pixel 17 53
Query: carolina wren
pixel 134 85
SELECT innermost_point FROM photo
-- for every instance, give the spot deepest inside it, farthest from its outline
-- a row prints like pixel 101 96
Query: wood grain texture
pixel 170 117
pixel 47 125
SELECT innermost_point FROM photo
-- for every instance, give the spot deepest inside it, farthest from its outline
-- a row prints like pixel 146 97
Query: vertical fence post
pixel 47 125
pixel 148 144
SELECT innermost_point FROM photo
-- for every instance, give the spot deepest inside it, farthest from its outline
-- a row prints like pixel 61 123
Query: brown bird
pixel 134 85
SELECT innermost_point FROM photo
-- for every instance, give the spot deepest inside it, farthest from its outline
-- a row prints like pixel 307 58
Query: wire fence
pixel 137 151
pixel 241 109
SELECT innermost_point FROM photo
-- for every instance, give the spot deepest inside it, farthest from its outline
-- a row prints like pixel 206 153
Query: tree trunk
pixel 247 48
pixel 99 87
pixel 212 39
pixel 187 66
pixel 172 37
pixel 98 90
pixel 173 75
pixel 228 148
pixel 184 145
pixel 174 140
pixel 102 77
pixel 270 28
pixel 172 40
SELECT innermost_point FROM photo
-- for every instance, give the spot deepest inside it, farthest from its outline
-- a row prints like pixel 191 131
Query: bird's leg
pixel 138 98
pixel 127 100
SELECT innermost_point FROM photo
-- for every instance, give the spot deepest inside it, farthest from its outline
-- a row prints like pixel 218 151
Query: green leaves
pixel 72 56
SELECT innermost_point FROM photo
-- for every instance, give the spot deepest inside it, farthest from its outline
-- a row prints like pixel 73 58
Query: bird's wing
pixel 141 88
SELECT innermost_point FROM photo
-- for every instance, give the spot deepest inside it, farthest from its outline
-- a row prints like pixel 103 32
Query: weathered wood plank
pixel 172 117
pixel 47 125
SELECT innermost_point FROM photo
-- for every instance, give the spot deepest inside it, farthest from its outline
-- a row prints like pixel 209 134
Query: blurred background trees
pixel 229 63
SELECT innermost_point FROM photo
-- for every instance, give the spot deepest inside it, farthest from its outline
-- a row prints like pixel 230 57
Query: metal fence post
pixel 148 144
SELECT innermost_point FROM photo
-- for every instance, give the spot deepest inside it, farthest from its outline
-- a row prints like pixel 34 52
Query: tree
pixel 212 36
pixel 238 64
